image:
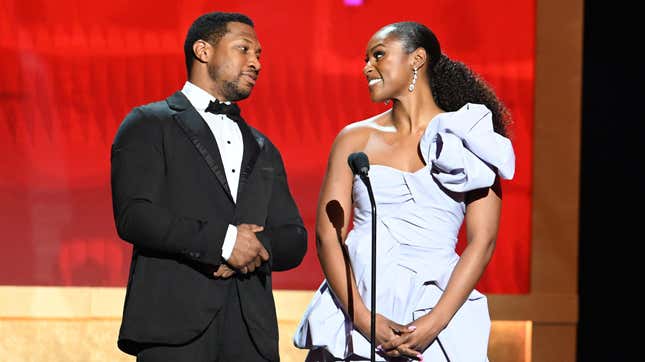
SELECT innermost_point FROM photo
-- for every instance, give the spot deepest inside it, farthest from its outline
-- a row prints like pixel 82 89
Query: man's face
pixel 235 66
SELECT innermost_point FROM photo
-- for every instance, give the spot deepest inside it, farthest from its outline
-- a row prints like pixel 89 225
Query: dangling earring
pixel 387 101
pixel 414 81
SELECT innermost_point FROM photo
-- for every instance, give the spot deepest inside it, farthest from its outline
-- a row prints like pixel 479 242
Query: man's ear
pixel 202 50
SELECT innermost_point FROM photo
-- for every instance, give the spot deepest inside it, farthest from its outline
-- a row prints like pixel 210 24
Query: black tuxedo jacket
pixel 172 202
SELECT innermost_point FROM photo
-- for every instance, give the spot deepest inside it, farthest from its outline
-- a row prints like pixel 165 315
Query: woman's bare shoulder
pixel 355 135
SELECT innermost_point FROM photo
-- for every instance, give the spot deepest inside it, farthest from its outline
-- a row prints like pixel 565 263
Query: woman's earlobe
pixel 420 59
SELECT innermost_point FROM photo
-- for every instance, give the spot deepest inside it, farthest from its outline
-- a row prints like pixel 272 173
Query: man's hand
pixel 224 272
pixel 248 253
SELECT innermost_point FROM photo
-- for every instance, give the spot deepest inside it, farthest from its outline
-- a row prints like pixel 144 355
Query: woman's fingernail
pixel 420 357
pixel 412 328
pixel 378 348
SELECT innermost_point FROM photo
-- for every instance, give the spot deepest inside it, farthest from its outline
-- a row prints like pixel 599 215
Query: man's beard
pixel 231 89
pixel 233 93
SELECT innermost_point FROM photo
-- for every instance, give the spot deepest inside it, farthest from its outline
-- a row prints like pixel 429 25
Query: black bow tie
pixel 231 110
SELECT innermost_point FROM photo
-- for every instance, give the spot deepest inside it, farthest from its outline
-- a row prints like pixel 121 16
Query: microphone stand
pixel 360 165
pixel 366 181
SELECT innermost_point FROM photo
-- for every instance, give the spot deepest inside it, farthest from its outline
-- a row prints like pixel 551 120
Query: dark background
pixel 611 183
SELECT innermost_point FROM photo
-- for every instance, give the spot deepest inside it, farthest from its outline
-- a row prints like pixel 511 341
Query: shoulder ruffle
pixel 464 151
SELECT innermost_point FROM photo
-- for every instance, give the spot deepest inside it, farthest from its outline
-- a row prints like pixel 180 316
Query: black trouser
pixel 226 339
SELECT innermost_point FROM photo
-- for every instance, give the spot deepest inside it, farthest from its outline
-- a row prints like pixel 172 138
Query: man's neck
pixel 209 87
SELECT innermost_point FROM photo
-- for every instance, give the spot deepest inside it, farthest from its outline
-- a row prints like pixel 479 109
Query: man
pixel 203 198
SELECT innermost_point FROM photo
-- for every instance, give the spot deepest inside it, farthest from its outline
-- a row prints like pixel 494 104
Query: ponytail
pixel 454 84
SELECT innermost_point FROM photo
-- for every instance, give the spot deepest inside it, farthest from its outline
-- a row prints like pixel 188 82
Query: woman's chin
pixel 376 98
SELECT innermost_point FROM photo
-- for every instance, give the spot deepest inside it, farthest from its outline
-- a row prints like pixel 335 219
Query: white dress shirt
pixel 231 148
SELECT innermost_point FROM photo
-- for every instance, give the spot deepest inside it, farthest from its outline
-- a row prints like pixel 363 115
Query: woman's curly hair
pixel 453 83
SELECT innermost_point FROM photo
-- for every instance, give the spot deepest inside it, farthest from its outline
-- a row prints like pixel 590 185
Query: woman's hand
pixel 412 345
pixel 387 331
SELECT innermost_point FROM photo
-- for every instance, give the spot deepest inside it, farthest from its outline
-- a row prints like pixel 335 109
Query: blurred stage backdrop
pixel 71 70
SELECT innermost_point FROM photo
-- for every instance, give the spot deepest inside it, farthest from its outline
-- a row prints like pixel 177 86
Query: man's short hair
pixel 210 27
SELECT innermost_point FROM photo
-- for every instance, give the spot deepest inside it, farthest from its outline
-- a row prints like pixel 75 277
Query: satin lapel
pixel 201 136
pixel 250 156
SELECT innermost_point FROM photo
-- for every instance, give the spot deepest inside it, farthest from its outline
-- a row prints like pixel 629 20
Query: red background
pixel 71 70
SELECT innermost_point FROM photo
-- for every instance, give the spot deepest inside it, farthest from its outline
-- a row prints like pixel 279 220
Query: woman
pixel 436 157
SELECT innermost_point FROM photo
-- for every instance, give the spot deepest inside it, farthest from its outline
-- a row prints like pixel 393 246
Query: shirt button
pixel 234 170
pixel 229 142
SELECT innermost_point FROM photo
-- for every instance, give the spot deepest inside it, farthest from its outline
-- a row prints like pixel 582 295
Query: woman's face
pixel 388 66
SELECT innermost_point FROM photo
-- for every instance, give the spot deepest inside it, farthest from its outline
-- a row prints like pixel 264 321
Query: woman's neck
pixel 413 112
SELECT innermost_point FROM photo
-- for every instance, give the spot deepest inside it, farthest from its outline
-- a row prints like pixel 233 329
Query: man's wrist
pixel 229 242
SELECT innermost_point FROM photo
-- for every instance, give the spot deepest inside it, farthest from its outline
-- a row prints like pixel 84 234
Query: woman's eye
pixel 377 55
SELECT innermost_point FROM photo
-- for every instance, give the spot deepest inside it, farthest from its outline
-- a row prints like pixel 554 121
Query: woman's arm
pixel 482 223
pixel 332 221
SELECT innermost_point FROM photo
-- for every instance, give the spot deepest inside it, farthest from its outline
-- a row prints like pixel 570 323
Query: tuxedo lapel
pixel 252 150
pixel 201 136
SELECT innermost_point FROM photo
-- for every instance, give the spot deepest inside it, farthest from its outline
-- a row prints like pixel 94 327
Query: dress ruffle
pixel 464 151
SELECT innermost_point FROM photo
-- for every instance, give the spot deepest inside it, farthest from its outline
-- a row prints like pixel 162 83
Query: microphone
pixel 360 165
